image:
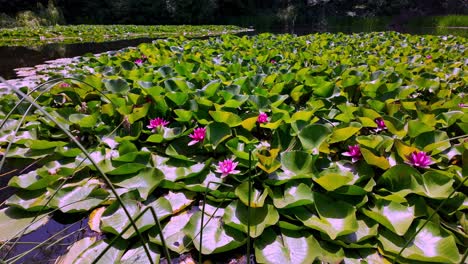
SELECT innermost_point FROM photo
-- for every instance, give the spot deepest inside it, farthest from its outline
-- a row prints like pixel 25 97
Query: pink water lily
pixel 63 85
pixel 380 124
pixel 157 123
pixel 273 61
pixel 138 62
pixel 198 135
pixel 226 167
pixel 419 159
pixel 354 152
pixel 262 118
pixel 428 57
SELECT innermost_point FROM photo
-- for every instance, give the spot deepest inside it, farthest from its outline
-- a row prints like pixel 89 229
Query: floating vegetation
pixel 35 36
pixel 325 147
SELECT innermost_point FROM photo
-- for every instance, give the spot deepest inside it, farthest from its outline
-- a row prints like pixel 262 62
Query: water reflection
pixel 18 57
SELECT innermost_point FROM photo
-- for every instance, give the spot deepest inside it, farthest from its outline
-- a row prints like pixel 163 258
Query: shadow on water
pixel 60 232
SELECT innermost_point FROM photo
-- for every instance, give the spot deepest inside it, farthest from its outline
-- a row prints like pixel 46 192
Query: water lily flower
pixel 157 123
pixel 262 118
pixel 226 167
pixel 462 105
pixel 263 145
pixel 380 124
pixel 138 62
pixel 53 171
pixel 419 159
pixel 198 135
pixel 273 61
pixel 64 85
pixel 354 152
pixel 428 57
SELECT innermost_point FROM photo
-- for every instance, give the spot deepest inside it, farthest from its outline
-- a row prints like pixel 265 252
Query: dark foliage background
pixel 222 11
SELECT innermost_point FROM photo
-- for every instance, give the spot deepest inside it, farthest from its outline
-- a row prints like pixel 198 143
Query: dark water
pixel 60 232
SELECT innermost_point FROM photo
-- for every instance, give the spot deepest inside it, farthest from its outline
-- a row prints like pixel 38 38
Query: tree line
pixel 223 11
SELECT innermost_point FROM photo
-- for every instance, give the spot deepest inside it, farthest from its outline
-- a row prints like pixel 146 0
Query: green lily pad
pixel 432 244
pixel 334 218
pixel 116 85
pixel 236 216
pixel 313 136
pixel 288 247
pixel 217 237
pixel 394 216
pixel 257 198
pixel 295 194
pixel 15 222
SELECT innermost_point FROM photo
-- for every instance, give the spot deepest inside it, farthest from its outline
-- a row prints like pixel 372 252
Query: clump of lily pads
pixel 354 146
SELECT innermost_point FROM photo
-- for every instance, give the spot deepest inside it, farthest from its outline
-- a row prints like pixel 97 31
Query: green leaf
pixel 436 185
pixel 15 222
pixel 174 233
pixel 236 216
pixel 372 159
pixel 294 195
pixel 394 216
pixel 138 113
pixel 179 200
pixel 432 244
pixel 178 84
pixel 402 177
pixel 334 177
pixel 32 181
pixel 210 88
pixel 217 133
pixel 178 98
pixel 350 81
pixel 334 218
pixel 228 118
pixel 173 173
pixel 183 115
pixel 127 168
pixel 434 142
pixel 257 198
pixel 145 181
pixel 416 127
pixel 114 219
pixel 297 162
pixel 324 89
pixel 116 85
pixel 44 144
pixel 32 201
pixel 75 250
pixel 217 237
pixel 112 255
pixel 341 134
pixel 79 197
pixel 312 136
pixel 83 120
pixel 288 247
pixel 367 229
pixel 137 254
